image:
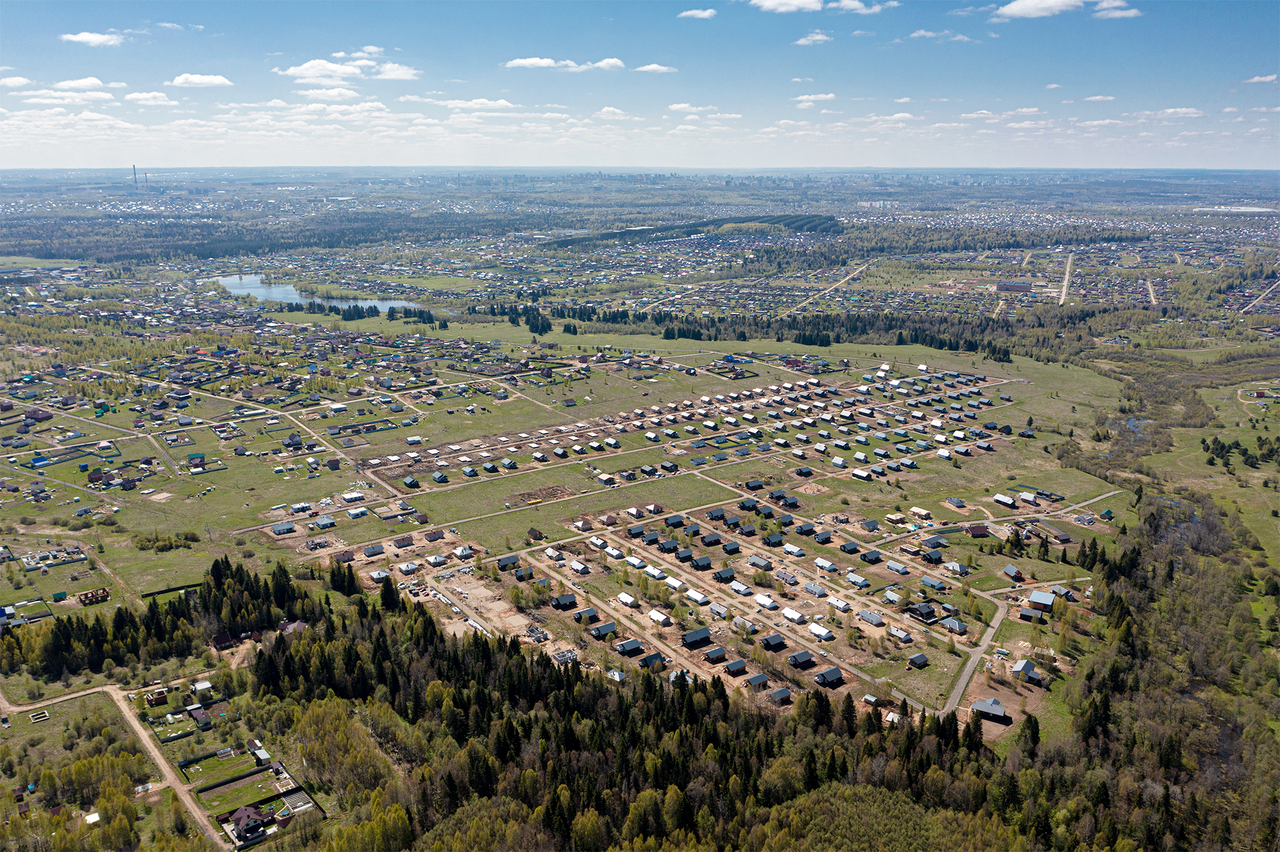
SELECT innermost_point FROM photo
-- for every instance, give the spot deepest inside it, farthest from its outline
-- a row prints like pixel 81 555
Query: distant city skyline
pixel 644 85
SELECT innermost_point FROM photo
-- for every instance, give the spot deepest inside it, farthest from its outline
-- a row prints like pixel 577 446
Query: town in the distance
pixel 396 508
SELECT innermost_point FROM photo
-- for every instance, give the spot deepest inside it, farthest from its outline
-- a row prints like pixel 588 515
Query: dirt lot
pixel 547 492
pixel 1018 698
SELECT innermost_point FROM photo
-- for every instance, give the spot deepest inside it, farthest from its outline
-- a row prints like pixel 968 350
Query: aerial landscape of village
pixel 853 486
pixel 659 477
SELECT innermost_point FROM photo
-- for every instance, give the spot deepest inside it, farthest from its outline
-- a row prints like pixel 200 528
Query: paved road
pixel 975 656
pixel 1066 280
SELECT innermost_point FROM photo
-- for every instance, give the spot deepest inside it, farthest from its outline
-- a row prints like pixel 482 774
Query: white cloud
pixel 1265 109
pixel 959 37
pixel 860 8
pixel 723 115
pixel 965 11
pixel 1029 125
pixel 689 108
pixel 14 82
pixel 1230 109
pixel 194 81
pixel 614 114
pixel 320 72
pixel 1100 98
pixel 1068 102
pixel 117 85
pixel 902 100
pixel 1102 122
pixel 169 26
pixel 805 105
pixel 150 99
pixel 823 97
pixel 929 34
pixel 534 62
pixel 1114 9
pixel 815 37
pixel 62 97
pixel 1036 8
pixel 611 63
pixel 1174 112
pixel 982 113
pixel 655 68
pixel 1054 86
pixel 94 39
pixel 701 14
pixel 861 33
pixel 802 79
pixel 396 71
pixel 474 103
pixel 82 83
pixel 832 112
pixel 1269 78
pixel 783 6
pixel 336 93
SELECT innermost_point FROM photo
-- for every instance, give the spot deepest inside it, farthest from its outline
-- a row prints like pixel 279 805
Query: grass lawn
pixel 506 531
pixel 930 685
pixel 228 797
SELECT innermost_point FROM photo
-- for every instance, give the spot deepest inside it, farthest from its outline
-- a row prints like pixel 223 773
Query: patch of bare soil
pixel 813 488
pixel 543 494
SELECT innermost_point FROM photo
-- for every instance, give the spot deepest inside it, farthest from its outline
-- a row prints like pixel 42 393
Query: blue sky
pixel 643 85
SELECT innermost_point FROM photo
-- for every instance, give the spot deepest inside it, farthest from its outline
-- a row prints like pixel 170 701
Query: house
pixel 714 655
pixel 1042 600
pixel 990 709
pixel 628 647
pixel 1028 614
pixel 757 681
pixel 249 823
pixel 694 638
pixel 1025 671
pixel 651 660
pixel 735 668
pixel 282 528
pixel 602 631
pixel 773 642
pixel 511 560
pixel 800 659
pixel 848 547
pixel 923 612
pixel 1013 574
pixel 586 616
pixel 829 677
pixel 564 601
pixel 871 618
pixel 954 625
pixel 870 557
pixel 917 661
pixel 780 696
pixel 933 583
